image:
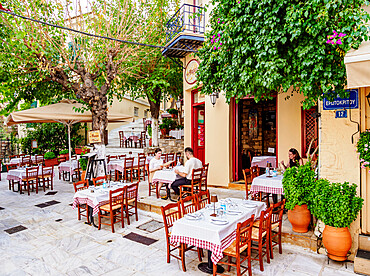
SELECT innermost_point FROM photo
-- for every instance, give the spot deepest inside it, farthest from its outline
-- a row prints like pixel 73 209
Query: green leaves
pixel 268 45
pixel 363 148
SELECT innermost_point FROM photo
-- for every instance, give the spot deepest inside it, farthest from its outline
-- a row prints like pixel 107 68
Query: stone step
pixel 362 262
pixel 364 242
pixel 237 185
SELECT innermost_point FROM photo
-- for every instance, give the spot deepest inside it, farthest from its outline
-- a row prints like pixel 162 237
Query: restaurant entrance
pixel 254 133
pixel 198 125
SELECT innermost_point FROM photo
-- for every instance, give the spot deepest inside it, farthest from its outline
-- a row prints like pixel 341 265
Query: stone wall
pixel 168 146
pixel 266 133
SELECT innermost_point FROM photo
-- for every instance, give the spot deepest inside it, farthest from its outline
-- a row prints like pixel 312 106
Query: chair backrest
pixel 129 162
pixel 244 234
pixel 132 191
pixel 205 177
pixel 141 162
pixel 151 153
pixel 116 197
pixel 26 161
pixel 203 198
pixel 196 178
pixel 32 172
pixel 170 213
pixel 164 157
pixel 121 135
pixel 141 154
pixel 13 156
pixel 170 157
pixel 189 204
pixel 277 212
pixel 39 159
pixel 121 156
pixel 10 166
pixel 142 137
pixel 178 156
pixel 62 159
pixel 81 185
pixel 22 154
pixel 111 157
pixel 265 221
pixel 47 172
pixel 256 170
pixel 99 180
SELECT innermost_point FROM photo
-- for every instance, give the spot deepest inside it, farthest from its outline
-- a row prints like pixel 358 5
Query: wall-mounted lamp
pixel 368 99
pixel 178 103
pixel 213 97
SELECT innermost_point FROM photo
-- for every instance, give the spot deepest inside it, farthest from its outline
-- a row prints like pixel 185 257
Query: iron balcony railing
pixel 188 18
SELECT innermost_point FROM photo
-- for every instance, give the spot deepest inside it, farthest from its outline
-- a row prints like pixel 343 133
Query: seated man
pixel 190 165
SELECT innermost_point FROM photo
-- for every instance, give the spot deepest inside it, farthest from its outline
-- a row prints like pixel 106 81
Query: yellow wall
pixel 338 158
pixel 289 124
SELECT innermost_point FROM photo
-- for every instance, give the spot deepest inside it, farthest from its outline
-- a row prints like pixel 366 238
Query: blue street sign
pixel 341 114
pixel 340 103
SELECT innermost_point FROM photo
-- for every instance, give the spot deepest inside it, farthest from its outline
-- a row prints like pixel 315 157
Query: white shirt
pixel 192 163
pixel 154 163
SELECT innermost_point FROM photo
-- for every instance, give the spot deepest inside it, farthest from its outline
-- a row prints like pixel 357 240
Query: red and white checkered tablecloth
pixel 81 200
pixel 216 238
pixel 264 184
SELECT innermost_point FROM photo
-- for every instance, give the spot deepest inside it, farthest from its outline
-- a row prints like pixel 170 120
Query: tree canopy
pixel 264 47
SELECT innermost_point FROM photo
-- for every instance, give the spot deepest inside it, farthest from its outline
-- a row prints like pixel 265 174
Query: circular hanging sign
pixel 191 70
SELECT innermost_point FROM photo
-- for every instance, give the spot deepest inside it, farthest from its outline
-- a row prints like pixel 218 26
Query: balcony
pixel 185 31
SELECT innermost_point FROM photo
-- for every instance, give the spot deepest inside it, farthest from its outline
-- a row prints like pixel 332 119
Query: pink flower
pixel 342 35
pixel 220 43
pixel 219 48
pixel 339 41
pixel 213 36
pixel 328 41
pixel 219 35
pixel 335 33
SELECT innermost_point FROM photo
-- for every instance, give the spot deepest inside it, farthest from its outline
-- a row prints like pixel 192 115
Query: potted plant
pixel 64 153
pixel 83 165
pixel 50 159
pixel 298 182
pixel 80 150
pixel 337 206
pixel 173 112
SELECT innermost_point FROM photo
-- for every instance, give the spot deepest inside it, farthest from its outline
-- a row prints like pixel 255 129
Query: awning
pixel 358 66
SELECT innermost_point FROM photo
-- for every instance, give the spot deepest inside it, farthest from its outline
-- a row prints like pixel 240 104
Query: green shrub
pixel 168 123
pixel 298 182
pixel 49 155
pixel 83 162
pixel 149 129
pixel 65 151
pixel 172 111
pixel 336 204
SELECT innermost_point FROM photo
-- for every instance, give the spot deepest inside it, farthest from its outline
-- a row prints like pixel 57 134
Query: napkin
pixel 234 211
pixel 219 219
pixel 194 215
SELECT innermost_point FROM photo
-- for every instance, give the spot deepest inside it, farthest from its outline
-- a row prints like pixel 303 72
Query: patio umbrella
pixel 63 112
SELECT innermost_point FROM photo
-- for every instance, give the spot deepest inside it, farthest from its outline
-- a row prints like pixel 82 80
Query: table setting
pixel 214 227
pixel 268 184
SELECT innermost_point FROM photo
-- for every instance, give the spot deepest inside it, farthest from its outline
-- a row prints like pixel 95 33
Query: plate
pixel 219 222
pixel 192 218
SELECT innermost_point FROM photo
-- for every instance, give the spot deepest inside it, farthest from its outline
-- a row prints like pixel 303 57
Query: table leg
pixel 91 218
pixel 208 267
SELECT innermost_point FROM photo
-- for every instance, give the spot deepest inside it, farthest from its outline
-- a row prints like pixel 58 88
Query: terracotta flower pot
pixel 337 242
pixel 300 218
pixel 83 174
pixel 51 162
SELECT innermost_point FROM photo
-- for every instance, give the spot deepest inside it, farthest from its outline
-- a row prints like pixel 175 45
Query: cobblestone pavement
pixel 56 243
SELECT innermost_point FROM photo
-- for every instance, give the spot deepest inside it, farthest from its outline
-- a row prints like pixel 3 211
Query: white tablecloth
pixel 261 161
pixel 176 133
pixel 18 174
pixel 273 185
pixel 65 166
pixel 19 160
pixel 167 176
pixel 99 197
pixel 216 238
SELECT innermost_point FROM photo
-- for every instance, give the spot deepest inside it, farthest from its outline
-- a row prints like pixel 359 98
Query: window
pixel 145 113
pixel 309 130
pixel 136 111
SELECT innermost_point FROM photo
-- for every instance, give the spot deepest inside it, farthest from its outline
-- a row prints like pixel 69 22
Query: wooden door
pixel 198 131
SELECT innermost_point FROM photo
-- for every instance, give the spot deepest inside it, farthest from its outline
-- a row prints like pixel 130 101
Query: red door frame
pixel 194 122
pixel 235 136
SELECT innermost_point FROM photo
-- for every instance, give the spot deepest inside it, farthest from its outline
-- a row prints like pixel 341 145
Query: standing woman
pixel 295 159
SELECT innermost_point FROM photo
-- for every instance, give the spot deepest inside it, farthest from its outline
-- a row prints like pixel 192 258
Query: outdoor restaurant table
pixel 203 233
pixel 66 166
pixel 18 174
pixel 273 185
pixel 119 164
pixel 16 161
pixel 95 199
pixel 176 133
pixel 261 161
pixel 167 176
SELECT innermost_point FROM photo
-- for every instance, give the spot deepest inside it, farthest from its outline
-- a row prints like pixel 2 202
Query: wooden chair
pixel 122 140
pixel 39 159
pixel 276 226
pixel 121 156
pixel 203 198
pixel 98 181
pixel 26 161
pixel 131 201
pixel 171 213
pixel 204 181
pixel 178 157
pixel 129 168
pixel 114 208
pixel 142 139
pixel 13 156
pixel 77 172
pixel 170 157
pixel 189 204
pixel 61 159
pixel 249 175
pixel 140 168
pixel 261 235
pixel 151 153
pixel 241 244
pixel 164 157
pixel 195 185
pixel 111 157
pixel 82 208
pixel 141 154
pixel 46 177
pixel 11 167
pixel 31 180
pixel 153 187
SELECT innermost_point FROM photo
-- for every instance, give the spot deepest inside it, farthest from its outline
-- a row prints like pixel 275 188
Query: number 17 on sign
pixel 341 114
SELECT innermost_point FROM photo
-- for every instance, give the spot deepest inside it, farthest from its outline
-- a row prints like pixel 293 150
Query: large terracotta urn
pixel 300 218
pixel 337 242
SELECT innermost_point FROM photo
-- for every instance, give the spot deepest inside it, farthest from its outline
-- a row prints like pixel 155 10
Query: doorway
pixel 198 125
